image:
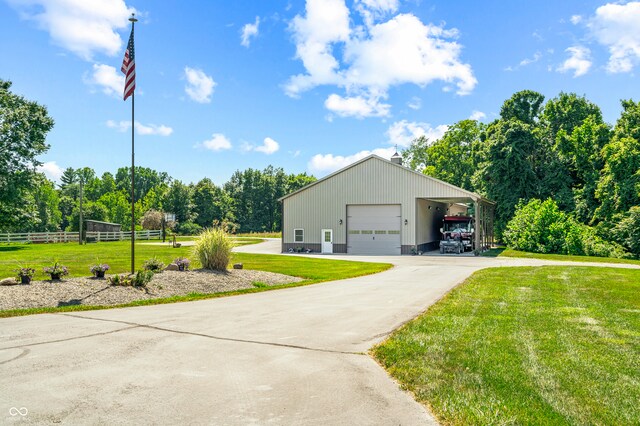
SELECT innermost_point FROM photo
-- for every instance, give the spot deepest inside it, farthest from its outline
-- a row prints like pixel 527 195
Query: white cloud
pixel 576 19
pixel 83 27
pixel 152 129
pixel 579 61
pixel 415 103
pixel 107 78
pixel 199 85
pixel 269 146
pixel 616 27
pixel 477 115
pixel 249 31
pixel 326 22
pixel 322 164
pixel 403 132
pixel 372 10
pixel 357 106
pixel 141 129
pixel 51 170
pixel 397 51
pixel 218 142
pixel 527 61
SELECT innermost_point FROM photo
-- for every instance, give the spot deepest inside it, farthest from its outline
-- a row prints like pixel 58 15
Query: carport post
pixel 477 228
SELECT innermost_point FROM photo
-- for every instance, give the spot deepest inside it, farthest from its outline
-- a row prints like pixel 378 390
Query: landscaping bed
pixel 98 292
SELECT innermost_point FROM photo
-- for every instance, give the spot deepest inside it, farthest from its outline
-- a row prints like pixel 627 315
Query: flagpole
pixel 133 20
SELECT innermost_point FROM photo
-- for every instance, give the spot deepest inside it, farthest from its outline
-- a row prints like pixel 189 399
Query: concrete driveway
pixel 291 356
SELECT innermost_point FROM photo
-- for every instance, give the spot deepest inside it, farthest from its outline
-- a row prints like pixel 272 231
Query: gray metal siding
pixel 374 181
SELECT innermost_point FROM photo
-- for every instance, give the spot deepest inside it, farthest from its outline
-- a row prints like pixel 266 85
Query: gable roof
pixel 470 194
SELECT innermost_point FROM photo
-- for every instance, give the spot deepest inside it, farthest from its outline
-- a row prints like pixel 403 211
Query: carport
pixel 431 211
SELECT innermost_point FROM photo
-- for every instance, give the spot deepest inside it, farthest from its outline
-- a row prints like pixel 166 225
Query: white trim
pixel 294 235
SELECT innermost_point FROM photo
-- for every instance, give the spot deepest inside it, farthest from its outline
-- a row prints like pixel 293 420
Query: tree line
pixel 29 202
pixel 560 150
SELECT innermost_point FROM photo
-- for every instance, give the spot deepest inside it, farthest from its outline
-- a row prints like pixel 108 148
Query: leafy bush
pixel 188 228
pixel 119 280
pixel 627 230
pixel 153 265
pixel 541 227
pixel 213 248
pixel 142 278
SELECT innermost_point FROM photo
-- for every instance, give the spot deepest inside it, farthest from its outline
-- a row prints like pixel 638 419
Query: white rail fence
pixel 67 237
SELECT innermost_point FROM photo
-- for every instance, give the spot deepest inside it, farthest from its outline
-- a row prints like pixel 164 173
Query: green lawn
pixel 78 258
pixel 561 257
pixel 547 345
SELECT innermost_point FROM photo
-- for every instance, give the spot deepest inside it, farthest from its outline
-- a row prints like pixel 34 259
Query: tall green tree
pixel 210 202
pixel 178 200
pixel 618 188
pixel 47 202
pixel 452 157
pixel 574 133
pixel 145 180
pixel 23 129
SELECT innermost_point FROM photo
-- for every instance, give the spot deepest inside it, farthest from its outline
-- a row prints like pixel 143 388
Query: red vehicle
pixel 458 228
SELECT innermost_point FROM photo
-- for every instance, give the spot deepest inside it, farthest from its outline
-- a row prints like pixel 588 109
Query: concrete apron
pixel 291 356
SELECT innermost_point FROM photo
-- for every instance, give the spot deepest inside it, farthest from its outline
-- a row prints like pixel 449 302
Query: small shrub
pixel 213 249
pixel 119 279
pixel 154 265
pixel 139 279
pixel 259 284
pixel 188 228
pixel 142 278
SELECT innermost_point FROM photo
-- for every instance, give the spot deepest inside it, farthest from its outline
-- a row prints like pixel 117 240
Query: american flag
pixel 129 68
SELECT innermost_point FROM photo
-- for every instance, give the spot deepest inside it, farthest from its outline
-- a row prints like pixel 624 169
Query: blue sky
pixel 307 86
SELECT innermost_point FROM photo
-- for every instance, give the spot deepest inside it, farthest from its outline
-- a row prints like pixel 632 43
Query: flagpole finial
pixel 133 18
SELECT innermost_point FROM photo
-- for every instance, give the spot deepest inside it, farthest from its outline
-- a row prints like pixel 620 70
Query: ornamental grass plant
pixel 213 249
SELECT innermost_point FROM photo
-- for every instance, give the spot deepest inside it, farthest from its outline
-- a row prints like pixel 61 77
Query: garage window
pixel 298 235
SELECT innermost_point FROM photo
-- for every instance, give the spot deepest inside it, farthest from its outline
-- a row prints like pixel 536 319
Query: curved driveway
pixel 291 356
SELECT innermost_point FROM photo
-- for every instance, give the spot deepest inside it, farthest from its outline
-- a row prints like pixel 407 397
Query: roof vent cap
pixel 396 158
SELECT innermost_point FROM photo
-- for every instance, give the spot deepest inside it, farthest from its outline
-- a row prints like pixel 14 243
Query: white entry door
pixel 327 240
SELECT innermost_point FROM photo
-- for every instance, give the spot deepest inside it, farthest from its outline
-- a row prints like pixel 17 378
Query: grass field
pixel 547 345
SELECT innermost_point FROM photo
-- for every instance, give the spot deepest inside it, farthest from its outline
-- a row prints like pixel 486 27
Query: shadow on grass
pixel 11 248
pixel 494 252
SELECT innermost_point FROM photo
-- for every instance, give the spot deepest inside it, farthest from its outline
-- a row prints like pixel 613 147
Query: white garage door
pixel 373 229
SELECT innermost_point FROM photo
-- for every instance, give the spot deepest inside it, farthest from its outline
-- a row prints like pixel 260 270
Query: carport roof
pixel 468 195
